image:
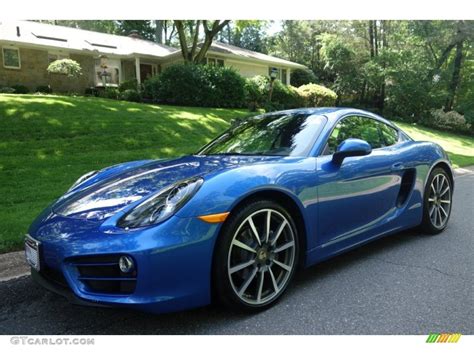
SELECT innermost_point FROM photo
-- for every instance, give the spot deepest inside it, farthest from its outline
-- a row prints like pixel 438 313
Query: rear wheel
pixel 437 202
pixel 256 256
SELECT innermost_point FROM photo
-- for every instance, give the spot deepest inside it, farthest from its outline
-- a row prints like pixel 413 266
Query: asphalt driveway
pixel 403 284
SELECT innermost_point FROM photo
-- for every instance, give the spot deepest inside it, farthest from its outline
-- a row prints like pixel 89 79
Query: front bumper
pixel 173 262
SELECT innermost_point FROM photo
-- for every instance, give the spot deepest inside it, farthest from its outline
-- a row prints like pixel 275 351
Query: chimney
pixel 134 34
pixel 18 34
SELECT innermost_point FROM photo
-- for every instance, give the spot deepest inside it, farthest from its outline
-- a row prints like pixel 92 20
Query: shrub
pixel 130 95
pixel 44 89
pixel 286 96
pixel 20 89
pixel 450 121
pixel 302 77
pixel 109 93
pixel 227 87
pixel 68 67
pixel 150 88
pixel 198 85
pixel 183 84
pixel 317 96
pixel 92 91
pixel 128 85
pixel 6 90
pixel 283 96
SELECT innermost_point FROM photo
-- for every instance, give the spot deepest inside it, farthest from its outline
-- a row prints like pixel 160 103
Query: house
pixel 27 48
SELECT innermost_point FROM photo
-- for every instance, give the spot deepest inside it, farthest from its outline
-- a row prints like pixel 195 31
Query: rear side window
pixel 389 134
pixel 355 127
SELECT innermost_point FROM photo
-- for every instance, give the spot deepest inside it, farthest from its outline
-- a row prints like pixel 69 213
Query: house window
pixel 56 56
pixel 215 61
pixel 11 58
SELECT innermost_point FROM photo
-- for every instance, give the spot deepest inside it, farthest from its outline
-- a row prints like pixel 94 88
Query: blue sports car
pixel 234 221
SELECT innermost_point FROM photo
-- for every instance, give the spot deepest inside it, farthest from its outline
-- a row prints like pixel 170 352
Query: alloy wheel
pixel 439 201
pixel 261 257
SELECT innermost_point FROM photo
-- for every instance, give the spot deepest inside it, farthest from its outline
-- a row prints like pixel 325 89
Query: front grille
pixel 101 274
pixel 54 276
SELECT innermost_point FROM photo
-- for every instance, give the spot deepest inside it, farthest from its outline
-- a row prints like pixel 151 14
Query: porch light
pixel 103 61
pixel 273 73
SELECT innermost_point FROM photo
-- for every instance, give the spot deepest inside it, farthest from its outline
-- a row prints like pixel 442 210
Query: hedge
pixel 197 85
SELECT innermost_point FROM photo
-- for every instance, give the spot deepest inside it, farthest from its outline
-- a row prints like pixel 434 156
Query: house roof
pixel 69 38
pixel 228 49
pixel 74 39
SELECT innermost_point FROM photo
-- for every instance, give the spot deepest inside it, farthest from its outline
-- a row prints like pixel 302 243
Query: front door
pixel 146 71
pixel 355 197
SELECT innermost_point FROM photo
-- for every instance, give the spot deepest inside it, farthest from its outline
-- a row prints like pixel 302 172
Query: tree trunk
pixel 159 31
pixel 376 39
pixel 371 38
pixel 455 79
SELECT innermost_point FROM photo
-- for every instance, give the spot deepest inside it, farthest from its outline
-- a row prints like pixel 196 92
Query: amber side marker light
pixel 214 218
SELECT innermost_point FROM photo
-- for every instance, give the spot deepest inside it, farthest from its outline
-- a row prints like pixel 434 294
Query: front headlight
pixel 82 179
pixel 161 206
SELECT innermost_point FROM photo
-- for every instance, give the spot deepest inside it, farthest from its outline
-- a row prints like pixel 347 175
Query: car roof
pixel 333 113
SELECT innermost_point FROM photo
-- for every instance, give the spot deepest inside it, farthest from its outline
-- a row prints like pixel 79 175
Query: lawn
pixel 459 148
pixel 47 142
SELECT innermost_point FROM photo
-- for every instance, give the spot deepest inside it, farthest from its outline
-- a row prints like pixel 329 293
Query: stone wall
pixel 32 74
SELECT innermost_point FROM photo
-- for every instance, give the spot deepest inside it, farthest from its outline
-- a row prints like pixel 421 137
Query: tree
pixel 143 28
pixel 248 34
pixel 195 53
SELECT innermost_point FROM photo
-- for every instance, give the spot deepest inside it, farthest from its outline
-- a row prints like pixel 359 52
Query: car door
pixel 357 196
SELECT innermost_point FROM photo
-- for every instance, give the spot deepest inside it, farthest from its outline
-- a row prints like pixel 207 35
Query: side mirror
pixel 351 147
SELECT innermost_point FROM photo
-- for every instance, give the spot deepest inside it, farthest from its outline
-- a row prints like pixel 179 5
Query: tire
pixel 252 271
pixel 437 202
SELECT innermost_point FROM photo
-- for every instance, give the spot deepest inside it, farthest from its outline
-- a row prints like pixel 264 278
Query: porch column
pixel 137 71
pixel 288 76
pixel 121 72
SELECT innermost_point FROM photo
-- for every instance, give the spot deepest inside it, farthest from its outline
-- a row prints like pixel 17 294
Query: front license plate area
pixel 32 252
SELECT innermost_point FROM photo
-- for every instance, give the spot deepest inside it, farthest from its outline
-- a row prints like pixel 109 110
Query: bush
pixel 317 96
pixel 92 91
pixel 150 88
pixel 128 85
pixel 449 121
pixel 256 92
pixel 130 95
pixel 286 96
pixel 68 67
pixel 183 84
pixel 283 96
pixel 20 89
pixel 6 90
pixel 198 85
pixel 109 93
pixel 44 89
pixel 227 87
pixel 302 77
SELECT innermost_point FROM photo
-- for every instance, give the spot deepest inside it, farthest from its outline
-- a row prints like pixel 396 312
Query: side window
pixel 354 127
pixel 389 134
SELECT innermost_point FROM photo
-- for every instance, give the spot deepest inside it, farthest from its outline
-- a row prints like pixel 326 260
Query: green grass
pixel 47 142
pixel 459 148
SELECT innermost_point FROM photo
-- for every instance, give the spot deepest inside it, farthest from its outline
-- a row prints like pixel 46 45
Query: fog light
pixel 126 264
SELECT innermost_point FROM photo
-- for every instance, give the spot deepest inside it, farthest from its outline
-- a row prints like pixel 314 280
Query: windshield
pixel 278 134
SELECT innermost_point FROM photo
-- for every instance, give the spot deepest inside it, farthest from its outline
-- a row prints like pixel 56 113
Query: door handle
pixel 398 166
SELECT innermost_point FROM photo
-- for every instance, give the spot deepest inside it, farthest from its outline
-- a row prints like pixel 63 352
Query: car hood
pixel 107 196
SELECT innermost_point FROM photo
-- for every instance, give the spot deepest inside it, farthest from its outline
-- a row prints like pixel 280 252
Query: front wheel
pixel 437 202
pixel 256 256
